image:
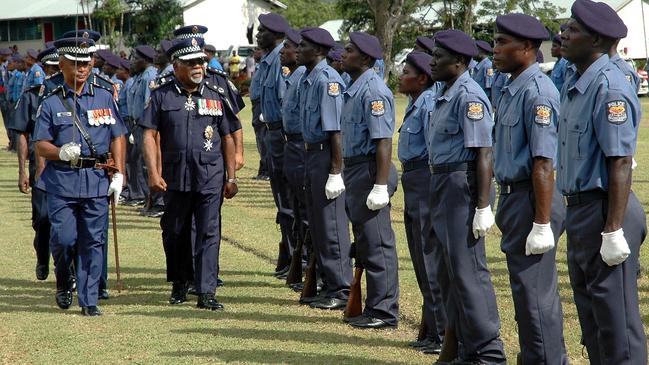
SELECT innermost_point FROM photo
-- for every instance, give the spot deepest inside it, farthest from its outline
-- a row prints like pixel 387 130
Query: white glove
pixel 131 139
pixel 378 197
pixel 482 221
pixel 540 240
pixel 634 163
pixel 614 248
pixel 334 186
pixel 70 152
pixel 115 187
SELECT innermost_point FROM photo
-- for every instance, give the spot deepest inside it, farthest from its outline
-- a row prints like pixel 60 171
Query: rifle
pixel 449 346
pixel 354 306
pixel 294 275
pixel 110 168
pixel 310 288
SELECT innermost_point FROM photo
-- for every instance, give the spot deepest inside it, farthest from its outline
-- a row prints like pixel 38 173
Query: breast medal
pixel 210 107
pixel 189 104
pixel 208 134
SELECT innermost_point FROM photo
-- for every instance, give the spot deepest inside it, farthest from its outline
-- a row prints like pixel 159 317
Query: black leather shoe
pixel 191 289
pixel 103 294
pixel 329 303
pixel 134 202
pixel 282 271
pixel 90 311
pixel 352 319
pixel 371 323
pixel 219 282
pixel 64 298
pixel 309 300
pixel 72 282
pixel 433 349
pixel 298 287
pixel 208 301
pixel 178 293
pixel 420 343
pixel 42 271
pixel 467 362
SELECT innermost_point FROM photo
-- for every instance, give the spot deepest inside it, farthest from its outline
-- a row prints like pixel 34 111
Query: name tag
pixel 98 117
pixel 210 107
pixel 63 114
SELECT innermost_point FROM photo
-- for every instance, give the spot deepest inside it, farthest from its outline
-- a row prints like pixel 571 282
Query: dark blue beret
pixel 49 56
pixel 17 57
pixel 83 33
pixel 103 54
pixel 426 43
pixel 274 22
pixel 76 48
pixel 187 49
pixel 335 54
pixel 190 31
pixel 421 61
pixel 32 53
pixel 113 60
pixel 165 44
pixel 539 56
pixel 367 44
pixel 318 36
pixel 146 51
pixel 521 26
pixel 6 52
pixel 293 36
pixel 599 18
pixel 484 46
pixel 456 41
pixel 125 64
pixel 556 39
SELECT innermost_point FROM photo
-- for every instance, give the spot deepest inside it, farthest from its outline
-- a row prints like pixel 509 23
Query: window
pixel 24 30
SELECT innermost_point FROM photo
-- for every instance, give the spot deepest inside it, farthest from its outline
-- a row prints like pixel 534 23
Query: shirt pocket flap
pixel 209 158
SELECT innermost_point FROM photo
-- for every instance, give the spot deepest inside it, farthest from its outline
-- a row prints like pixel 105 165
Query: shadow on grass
pixel 273 357
pixel 181 313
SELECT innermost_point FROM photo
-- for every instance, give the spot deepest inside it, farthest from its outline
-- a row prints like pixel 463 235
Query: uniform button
pixel 563 143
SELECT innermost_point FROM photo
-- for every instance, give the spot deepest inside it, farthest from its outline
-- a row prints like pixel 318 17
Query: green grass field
pixel 262 322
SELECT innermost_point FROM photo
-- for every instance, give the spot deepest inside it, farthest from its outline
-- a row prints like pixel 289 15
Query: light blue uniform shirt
pixel 346 79
pixel 255 85
pixel 272 86
pixel 628 71
pixel 499 82
pixel 599 118
pixel 130 94
pixel 291 102
pixel 122 102
pixel 368 114
pixel 379 68
pixel 526 125
pixel 412 134
pixel 460 121
pixel 214 63
pixel 321 102
pixel 558 74
pixel 484 74
pixel 142 91
pixel 16 85
pixel 35 76
pixel 471 68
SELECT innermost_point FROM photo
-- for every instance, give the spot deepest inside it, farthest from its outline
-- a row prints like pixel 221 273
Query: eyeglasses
pixel 193 62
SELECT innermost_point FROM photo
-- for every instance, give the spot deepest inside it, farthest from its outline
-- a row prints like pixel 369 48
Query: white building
pixel 227 20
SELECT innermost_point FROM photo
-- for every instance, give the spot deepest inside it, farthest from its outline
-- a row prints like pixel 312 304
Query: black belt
pixel 452 167
pixel 297 137
pixel 355 160
pixel 413 165
pixel 585 197
pixel 320 146
pixel 273 126
pixel 525 185
pixel 83 162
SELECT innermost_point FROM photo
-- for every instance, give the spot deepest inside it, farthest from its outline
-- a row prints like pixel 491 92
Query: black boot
pixel 208 301
pixel 178 292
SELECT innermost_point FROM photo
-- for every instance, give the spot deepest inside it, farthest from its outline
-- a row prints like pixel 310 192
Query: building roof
pixel 41 9
pixel 190 3
pixel 567 4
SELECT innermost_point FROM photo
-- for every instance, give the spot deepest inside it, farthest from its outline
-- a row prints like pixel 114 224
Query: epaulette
pixel 54 91
pixel 164 75
pixel 52 75
pixel 104 78
pixel 221 92
pixel 163 81
pixel 217 72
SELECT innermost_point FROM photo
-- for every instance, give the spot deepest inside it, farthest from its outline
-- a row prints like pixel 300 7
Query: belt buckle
pixel 76 164
pixel 565 200
pixel 506 189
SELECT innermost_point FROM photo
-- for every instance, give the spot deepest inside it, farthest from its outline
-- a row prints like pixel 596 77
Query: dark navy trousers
pixel 375 242
pixel 78 223
pixel 463 275
pixel 41 225
pixel 136 182
pixel 294 172
pixel 329 227
pixel 607 296
pixel 533 278
pixel 416 217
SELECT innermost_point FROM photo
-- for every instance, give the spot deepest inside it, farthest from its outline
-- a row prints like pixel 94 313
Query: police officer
pixel 270 37
pixel 320 112
pixel 24 122
pixel 484 72
pixel 529 215
pixel 35 75
pixel 257 124
pixel 459 148
pixel 335 60
pixel 370 177
pixel 628 71
pixel 77 125
pixel 558 71
pixel 97 77
pixel 605 222
pixel 416 82
pixel 424 44
pixel 189 114
pixel 294 153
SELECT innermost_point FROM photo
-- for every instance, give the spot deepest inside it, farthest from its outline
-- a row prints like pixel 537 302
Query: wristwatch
pixel 233 181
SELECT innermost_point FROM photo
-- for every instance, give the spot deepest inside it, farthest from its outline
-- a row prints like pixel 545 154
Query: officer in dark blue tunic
pixel 194 124
pixel 320 113
pixel 371 179
pixel 605 222
pixel 529 215
pixel 416 81
pixel 77 126
pixel 459 148
pixel 24 122
pixel 270 36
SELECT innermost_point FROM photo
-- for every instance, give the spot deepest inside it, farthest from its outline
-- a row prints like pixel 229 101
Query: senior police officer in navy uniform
pixel 191 118
pixel 605 222
pixel 367 125
pixel 320 103
pixel 459 148
pixel 24 122
pixel 529 215
pixel 270 36
pixel 96 78
pixel 77 126
pixel 416 82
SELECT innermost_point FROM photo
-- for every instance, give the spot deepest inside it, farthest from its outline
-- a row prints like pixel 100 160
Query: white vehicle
pixel 400 59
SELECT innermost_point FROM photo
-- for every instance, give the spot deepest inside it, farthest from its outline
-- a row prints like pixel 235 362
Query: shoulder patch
pixel 628 78
pixel 286 71
pixel 152 84
pixel 37 74
pixel 542 114
pixel 378 108
pixel 333 89
pixel 490 72
pixel 475 111
pixel 616 111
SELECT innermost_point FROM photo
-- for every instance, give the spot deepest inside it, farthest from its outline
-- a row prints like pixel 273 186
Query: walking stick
pixel 119 279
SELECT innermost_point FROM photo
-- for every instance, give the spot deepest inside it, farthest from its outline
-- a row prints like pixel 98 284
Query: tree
pixel 110 13
pixel 545 10
pixel 303 13
pixel 154 20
